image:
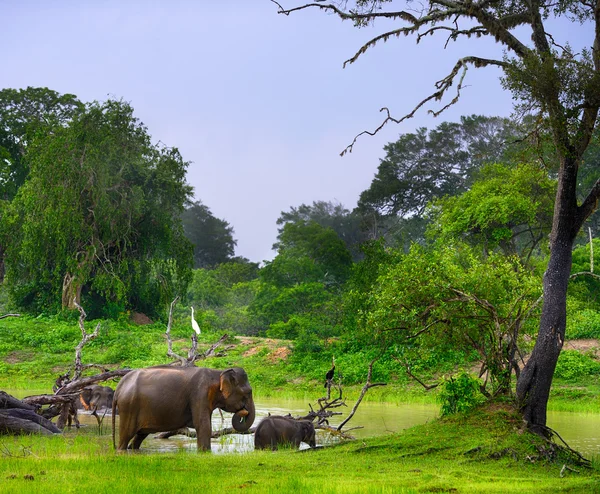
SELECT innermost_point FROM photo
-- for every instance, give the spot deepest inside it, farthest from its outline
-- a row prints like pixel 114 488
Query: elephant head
pixel 308 433
pixel 237 397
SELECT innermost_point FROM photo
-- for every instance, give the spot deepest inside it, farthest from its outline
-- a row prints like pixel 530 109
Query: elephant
pixel 278 430
pixel 167 398
pixel 96 397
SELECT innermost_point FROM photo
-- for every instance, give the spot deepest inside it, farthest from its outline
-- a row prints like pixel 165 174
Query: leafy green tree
pixel 350 226
pixel 452 298
pixel 212 237
pixel 555 83
pixel 99 216
pixel 308 252
pixel 23 113
pixel 507 207
pixel 425 165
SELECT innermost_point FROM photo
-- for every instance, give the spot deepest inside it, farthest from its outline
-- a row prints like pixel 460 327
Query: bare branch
pixel 442 85
pixel 410 374
pixel 85 338
pixel 10 315
pixel 368 385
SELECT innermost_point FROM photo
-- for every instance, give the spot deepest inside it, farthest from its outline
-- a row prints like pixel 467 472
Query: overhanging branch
pixel 442 85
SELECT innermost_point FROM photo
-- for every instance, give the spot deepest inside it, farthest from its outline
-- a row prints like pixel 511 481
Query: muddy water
pixel 580 431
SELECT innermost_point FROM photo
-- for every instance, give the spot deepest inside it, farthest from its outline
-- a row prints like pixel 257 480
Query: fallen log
pixel 17 426
pixel 27 416
pixel 8 401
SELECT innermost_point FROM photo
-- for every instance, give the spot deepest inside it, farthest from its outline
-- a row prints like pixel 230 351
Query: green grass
pixel 34 351
pixel 482 452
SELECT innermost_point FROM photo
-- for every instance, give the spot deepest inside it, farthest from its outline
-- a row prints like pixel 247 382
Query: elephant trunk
pixel 244 418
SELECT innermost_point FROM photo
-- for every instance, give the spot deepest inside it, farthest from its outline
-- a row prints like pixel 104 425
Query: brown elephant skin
pixel 277 430
pixel 166 398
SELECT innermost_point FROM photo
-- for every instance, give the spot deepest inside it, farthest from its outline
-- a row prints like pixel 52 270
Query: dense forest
pixel 438 268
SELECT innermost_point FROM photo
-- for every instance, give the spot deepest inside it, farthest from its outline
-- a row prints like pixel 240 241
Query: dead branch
pixel 10 315
pixel 184 362
pixel 368 385
pixel 85 338
pixel 412 376
pixel 193 354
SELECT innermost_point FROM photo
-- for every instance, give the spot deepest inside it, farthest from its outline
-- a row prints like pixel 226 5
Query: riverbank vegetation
pixel 485 451
pixel 438 280
pixel 35 351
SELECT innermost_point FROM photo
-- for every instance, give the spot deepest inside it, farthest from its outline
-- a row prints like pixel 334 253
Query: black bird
pixel 330 372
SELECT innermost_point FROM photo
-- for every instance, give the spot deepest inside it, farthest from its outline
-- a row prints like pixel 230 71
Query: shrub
pixel 584 324
pixel 572 365
pixel 460 393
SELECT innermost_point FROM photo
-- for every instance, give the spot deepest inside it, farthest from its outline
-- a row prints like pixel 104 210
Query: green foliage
pixel 349 226
pixel 450 297
pixel 585 287
pixel 211 237
pixel 308 252
pixel 573 365
pixel 23 113
pixel 459 394
pixel 107 223
pixel 507 207
pixel 363 280
pixel 583 324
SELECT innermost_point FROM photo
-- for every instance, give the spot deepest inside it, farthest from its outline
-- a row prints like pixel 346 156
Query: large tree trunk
pixel 533 385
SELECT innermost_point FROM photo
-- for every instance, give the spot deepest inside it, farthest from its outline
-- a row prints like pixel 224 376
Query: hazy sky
pixel 257 101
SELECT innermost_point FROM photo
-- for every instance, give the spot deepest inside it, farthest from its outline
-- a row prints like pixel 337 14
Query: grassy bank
pixel 484 452
pixel 35 351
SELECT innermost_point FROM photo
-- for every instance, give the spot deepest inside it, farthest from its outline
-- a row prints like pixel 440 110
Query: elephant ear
pixel 228 382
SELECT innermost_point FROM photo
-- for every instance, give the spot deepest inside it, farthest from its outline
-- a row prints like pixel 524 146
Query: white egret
pixel 194 323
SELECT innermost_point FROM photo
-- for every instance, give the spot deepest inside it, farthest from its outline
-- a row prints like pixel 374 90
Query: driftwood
pixel 327 405
pixel 66 388
pixel 18 417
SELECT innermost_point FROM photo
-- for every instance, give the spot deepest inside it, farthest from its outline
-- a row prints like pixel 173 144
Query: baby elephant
pixel 277 430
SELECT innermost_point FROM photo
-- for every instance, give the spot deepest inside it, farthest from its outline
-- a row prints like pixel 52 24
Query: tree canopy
pixel 99 215
pixel 212 237
pixel 556 84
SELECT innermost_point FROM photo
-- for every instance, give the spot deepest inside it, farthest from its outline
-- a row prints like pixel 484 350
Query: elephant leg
pixel 137 440
pixel 203 428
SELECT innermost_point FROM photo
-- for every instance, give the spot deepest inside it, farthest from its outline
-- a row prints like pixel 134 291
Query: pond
pixel 581 431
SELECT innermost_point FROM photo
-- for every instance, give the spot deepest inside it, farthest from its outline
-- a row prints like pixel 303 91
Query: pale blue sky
pixel 258 102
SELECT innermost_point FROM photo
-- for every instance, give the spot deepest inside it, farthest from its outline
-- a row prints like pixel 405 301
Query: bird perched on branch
pixel 330 372
pixel 195 326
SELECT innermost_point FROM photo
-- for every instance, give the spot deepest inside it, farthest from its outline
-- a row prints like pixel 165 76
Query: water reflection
pixel 581 431
pixel 372 419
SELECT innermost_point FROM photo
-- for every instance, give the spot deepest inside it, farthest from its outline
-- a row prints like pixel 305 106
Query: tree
pixel 348 225
pixel 453 298
pixel 426 165
pixel 212 237
pixel 308 252
pixel 552 81
pixel 23 113
pixel 507 207
pixel 99 215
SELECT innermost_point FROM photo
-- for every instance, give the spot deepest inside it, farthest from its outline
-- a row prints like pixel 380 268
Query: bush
pixel 584 324
pixel 572 365
pixel 460 393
